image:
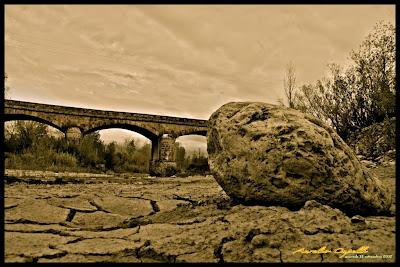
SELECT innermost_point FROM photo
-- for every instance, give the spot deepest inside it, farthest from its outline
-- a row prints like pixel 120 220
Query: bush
pixel 375 140
pixel 198 165
pixel 170 171
pixel 29 145
pixel 64 159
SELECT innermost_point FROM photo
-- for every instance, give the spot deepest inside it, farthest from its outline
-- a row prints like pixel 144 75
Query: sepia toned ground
pixel 63 217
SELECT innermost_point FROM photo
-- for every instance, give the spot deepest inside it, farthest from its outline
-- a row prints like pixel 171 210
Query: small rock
pixel 357 219
pixel 312 204
pixel 391 153
pixel 360 157
pixel 393 210
pixel 311 231
pixel 368 163
pixel 391 163
pixel 260 241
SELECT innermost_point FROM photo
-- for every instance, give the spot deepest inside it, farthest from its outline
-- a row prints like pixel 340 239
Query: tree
pixel 289 84
pixel 142 157
pixel 91 150
pixel 198 164
pixel 180 156
pixel 30 145
pixel 130 146
pixel 329 99
pixel 109 157
pixel 375 71
pixel 361 95
pixel 27 133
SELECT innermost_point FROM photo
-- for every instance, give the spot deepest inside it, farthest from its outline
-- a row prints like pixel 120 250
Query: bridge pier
pixel 163 156
pixel 73 134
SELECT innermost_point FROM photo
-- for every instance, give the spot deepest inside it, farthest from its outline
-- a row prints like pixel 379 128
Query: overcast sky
pixel 178 60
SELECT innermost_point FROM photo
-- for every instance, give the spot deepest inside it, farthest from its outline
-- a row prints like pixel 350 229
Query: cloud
pixel 174 60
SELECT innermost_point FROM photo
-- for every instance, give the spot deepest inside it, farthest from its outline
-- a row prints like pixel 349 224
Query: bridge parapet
pixel 84 112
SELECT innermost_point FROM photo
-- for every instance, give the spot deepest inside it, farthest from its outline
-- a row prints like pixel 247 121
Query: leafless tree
pixel 289 84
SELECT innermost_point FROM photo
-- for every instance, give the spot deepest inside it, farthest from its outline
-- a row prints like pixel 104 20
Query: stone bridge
pixel 77 122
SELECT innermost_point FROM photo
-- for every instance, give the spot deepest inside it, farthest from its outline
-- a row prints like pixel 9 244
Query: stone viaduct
pixel 76 122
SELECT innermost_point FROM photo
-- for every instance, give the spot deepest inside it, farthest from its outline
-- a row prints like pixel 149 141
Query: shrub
pixel 64 159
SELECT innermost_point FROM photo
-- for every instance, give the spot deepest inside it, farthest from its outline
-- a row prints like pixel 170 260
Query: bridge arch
pixel 194 132
pixel 24 117
pixel 193 141
pixel 140 130
pixel 154 139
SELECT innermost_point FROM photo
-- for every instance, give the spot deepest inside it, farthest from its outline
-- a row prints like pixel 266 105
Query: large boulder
pixel 265 154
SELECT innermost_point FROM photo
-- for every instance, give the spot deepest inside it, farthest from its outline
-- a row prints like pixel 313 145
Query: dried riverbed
pixel 64 217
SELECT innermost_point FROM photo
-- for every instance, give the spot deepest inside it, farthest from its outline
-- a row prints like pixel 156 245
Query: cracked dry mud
pixel 144 219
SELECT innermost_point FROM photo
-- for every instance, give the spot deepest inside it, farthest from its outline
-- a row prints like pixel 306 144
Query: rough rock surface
pixel 271 155
pixel 192 220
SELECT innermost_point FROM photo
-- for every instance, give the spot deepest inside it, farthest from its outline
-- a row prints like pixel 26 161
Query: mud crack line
pixel 99 208
pixel 193 202
pixel 70 215
pixel 154 206
pixel 218 250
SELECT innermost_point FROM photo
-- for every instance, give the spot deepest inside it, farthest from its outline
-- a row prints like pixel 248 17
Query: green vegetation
pixel 362 94
pixel 31 145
